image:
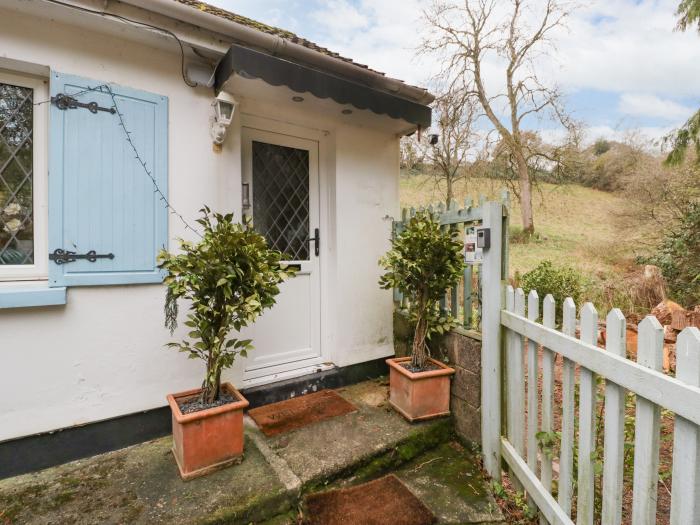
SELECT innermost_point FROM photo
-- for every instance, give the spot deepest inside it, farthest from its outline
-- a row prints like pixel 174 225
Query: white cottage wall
pixel 367 199
pixel 101 355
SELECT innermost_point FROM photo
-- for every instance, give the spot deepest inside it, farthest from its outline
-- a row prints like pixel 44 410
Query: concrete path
pixel 140 484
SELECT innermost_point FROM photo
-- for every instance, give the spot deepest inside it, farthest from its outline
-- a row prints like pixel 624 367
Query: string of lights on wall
pixel 105 88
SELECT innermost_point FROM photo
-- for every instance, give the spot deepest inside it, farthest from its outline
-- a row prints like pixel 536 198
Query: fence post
pixel 587 423
pixel 650 344
pixel 566 460
pixel 491 377
pixel 614 425
pixel 548 320
pixel 685 492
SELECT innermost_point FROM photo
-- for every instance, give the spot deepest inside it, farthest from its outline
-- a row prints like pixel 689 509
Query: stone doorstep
pixel 140 484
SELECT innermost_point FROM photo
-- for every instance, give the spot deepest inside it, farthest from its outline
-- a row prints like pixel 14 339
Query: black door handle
pixel 317 241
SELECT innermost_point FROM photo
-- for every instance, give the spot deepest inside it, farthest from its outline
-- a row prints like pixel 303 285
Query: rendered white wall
pixel 367 192
pixel 102 354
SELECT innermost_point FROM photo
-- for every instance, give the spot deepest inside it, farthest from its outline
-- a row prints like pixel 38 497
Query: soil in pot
pixel 196 404
pixel 414 369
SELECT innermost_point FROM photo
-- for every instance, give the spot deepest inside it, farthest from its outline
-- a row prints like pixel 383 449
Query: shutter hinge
pixel 60 256
pixel 64 102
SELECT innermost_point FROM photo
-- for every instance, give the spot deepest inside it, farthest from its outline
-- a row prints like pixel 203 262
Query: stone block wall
pixel 461 349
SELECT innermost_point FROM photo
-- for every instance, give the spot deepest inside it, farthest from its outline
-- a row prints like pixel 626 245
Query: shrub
pixel 560 281
pixel 678 256
pixel 229 278
pixel 601 146
pixel 423 262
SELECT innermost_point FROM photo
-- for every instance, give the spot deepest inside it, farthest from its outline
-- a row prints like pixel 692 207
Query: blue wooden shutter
pixel 100 197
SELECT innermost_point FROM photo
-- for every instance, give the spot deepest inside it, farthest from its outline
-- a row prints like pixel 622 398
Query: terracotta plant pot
pixel 210 439
pixel 420 395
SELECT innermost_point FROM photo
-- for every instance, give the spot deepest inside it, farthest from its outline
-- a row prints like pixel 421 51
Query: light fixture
pixel 434 138
pixel 224 108
pixel 245 194
pixel 298 99
pixel 346 111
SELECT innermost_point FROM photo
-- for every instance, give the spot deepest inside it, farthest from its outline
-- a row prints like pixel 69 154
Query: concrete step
pixel 140 484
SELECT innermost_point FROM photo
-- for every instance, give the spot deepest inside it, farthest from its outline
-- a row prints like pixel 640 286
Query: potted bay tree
pixel 423 262
pixel 228 278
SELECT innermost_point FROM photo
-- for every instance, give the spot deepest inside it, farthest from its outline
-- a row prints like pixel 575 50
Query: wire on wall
pixel 137 23
pixel 142 162
pixel 105 88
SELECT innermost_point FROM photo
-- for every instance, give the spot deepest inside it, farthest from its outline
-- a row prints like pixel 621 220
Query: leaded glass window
pixel 281 198
pixel 16 175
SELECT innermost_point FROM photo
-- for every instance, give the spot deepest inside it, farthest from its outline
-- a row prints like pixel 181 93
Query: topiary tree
pixel 229 278
pixel 424 261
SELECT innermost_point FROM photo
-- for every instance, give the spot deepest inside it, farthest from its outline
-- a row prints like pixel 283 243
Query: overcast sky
pixel 619 62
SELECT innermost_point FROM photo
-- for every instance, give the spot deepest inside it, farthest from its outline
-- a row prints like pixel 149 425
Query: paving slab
pixel 450 483
pixel 141 484
pixel 336 446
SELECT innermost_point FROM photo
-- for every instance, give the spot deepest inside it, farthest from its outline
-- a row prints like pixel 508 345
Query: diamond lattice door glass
pixel 281 198
pixel 16 159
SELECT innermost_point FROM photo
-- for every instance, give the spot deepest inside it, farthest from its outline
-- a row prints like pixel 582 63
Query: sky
pixel 622 68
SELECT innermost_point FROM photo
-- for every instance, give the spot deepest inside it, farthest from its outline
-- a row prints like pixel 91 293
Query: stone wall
pixel 462 350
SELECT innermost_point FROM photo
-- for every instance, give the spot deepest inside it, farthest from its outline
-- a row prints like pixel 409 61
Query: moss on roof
pixel 208 8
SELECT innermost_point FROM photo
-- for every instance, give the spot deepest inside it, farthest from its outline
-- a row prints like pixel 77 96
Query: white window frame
pixel 39 270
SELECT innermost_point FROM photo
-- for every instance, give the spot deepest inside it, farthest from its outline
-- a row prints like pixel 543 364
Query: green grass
pixel 580 227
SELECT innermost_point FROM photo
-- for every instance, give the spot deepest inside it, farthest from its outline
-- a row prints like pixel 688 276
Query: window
pixel 23 178
pixel 281 198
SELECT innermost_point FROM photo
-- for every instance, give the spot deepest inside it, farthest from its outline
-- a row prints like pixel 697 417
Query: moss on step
pixel 288 518
pixel 256 509
pixel 449 480
pixel 422 439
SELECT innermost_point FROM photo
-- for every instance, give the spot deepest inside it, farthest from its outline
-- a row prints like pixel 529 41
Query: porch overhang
pixel 302 79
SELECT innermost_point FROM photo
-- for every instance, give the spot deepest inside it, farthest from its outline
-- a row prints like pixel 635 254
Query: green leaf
pixel 229 278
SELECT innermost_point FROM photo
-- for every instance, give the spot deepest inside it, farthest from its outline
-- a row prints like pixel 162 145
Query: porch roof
pixel 277 71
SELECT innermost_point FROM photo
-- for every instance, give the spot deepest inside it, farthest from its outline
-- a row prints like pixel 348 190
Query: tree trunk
pixel 418 354
pixel 210 391
pixel 525 194
pixel 450 193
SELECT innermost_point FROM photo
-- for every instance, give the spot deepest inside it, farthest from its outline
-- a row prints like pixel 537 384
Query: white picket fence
pixel 526 328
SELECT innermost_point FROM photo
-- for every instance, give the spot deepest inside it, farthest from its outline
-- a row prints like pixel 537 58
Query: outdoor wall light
pixel 433 139
pixel 245 194
pixel 224 108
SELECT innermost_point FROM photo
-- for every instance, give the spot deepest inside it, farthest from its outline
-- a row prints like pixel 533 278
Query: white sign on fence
pixel 472 253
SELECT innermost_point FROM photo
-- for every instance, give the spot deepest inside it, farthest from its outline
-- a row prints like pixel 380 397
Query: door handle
pixel 317 241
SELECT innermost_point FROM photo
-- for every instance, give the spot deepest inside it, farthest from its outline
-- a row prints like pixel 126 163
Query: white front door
pixel 281 174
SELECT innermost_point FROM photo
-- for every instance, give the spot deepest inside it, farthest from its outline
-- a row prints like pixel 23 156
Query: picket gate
pixel 529 345
pixel 528 333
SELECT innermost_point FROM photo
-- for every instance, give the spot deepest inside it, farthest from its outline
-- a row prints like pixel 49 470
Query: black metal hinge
pixel 67 102
pixel 60 256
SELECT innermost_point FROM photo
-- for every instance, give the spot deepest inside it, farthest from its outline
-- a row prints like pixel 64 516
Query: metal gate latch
pixel 60 256
pixel 67 102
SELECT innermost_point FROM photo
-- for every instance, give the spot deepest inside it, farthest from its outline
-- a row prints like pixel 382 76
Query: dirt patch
pixel 299 412
pixel 385 500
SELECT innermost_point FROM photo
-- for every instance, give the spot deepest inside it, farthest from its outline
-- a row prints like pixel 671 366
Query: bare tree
pixel 411 155
pixel 478 34
pixel 456 139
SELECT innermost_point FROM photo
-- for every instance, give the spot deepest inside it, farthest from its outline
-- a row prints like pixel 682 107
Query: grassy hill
pixel 576 226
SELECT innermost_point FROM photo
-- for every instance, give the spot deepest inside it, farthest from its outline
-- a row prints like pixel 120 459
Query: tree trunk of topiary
pixel 210 391
pixel 418 354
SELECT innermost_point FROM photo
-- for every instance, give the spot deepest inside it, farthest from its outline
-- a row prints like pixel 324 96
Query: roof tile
pixel 292 37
